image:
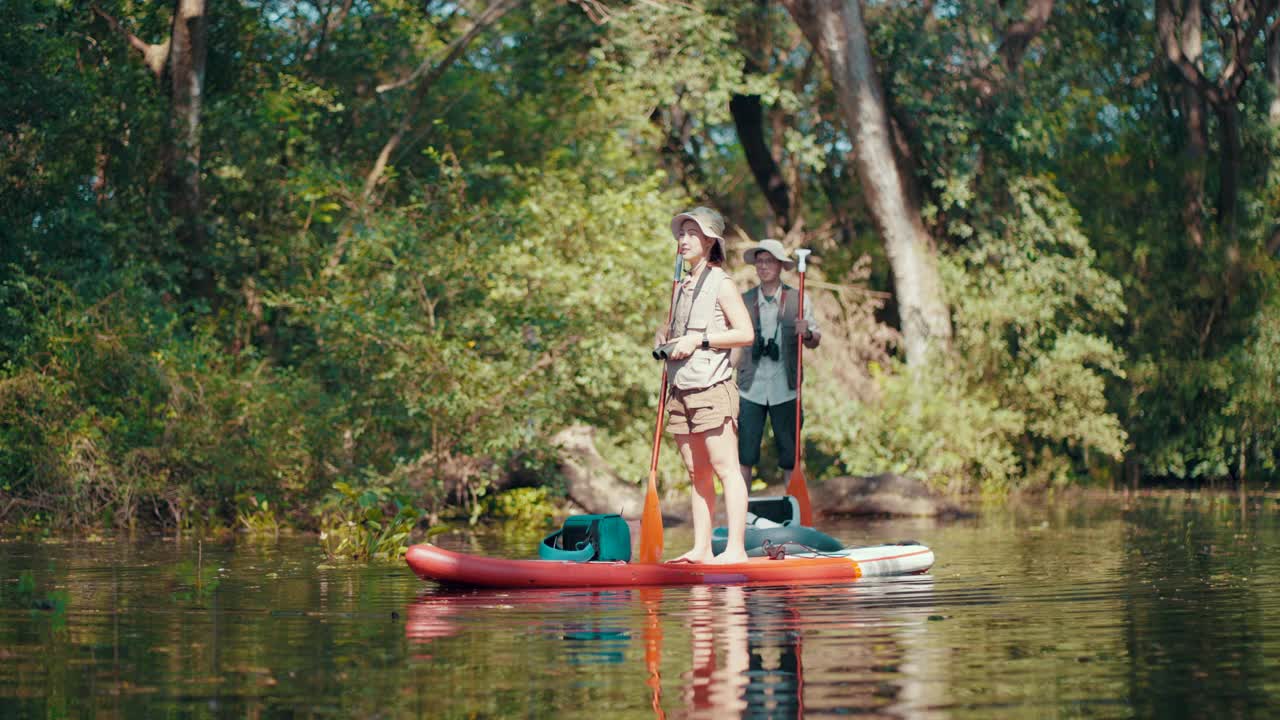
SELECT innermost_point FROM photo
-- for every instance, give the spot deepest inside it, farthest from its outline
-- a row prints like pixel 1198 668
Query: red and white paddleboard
pixel 430 562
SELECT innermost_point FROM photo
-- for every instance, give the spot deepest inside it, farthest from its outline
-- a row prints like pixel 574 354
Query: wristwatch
pixel 706 341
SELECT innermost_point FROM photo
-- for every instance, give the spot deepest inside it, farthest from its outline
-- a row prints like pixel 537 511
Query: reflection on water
pixel 718 651
pixel 1156 610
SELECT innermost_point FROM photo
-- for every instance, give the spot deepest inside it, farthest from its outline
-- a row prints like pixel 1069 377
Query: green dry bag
pixel 588 537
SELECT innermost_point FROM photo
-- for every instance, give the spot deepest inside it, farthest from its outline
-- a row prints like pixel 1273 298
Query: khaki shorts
pixel 700 410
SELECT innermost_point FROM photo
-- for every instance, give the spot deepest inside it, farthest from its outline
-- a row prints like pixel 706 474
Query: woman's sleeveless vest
pixel 694 314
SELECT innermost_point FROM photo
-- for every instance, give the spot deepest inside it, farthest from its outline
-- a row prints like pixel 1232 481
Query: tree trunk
pixel 187 52
pixel 183 55
pixel 1190 45
pixel 1273 75
pixel 1273 111
pixel 835 29
pixel 765 158
pixel 1229 176
pixel 596 487
pixel 1179 35
pixel 748 118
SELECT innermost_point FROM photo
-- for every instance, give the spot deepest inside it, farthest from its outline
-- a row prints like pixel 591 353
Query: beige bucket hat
pixel 774 248
pixel 709 221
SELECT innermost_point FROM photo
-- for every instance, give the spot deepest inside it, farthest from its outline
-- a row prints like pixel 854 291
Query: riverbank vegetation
pixel 258 258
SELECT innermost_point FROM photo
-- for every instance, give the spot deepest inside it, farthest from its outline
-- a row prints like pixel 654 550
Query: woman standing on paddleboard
pixel 708 321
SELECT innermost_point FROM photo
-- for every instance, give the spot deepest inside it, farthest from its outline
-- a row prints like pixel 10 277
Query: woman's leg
pixel 693 451
pixel 722 450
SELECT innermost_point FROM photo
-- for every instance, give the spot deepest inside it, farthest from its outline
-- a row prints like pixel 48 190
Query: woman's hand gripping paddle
pixel 651 518
pixel 796 487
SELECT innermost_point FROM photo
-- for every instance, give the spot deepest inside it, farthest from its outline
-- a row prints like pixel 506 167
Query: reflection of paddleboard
pixel 434 563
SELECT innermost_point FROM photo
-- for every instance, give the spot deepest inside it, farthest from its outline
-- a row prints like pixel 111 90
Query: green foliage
pixel 1234 396
pixel 122 415
pixel 687 56
pixel 1030 306
pixel 628 449
pixel 400 344
pixel 196 582
pixel 527 505
pixel 456 331
pixel 921 425
pixel 1025 393
pixel 53 603
pixel 503 277
pixel 366 523
pixel 255 514
pixel 1252 406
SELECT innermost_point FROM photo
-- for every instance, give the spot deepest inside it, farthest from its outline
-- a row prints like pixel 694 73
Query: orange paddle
pixel 651 518
pixel 652 599
pixel 796 487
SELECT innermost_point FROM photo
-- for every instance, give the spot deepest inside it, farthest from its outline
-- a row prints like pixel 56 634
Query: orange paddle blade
pixel 652 598
pixel 797 489
pixel 651 517
pixel 651 525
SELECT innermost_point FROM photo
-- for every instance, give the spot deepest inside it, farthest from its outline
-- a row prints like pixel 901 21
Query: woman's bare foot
pixel 727 558
pixel 693 556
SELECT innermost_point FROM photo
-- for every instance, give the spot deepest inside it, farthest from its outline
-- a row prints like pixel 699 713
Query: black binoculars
pixel 662 352
pixel 767 348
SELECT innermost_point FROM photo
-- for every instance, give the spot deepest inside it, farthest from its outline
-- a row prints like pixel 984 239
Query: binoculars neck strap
pixel 780 300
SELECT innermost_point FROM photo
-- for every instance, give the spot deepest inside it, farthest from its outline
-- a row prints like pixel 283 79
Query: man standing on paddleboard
pixel 767 370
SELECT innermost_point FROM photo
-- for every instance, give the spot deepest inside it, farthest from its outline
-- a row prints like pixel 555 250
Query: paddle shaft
pixel 652 599
pixel 797 486
pixel 651 519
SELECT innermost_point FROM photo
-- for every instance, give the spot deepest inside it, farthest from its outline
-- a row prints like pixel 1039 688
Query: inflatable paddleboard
pixel 430 562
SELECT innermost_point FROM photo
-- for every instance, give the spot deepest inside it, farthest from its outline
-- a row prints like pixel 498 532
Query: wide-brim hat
pixel 771 246
pixel 709 221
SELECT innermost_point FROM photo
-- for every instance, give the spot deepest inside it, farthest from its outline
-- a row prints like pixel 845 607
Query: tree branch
pixel 682 165
pixel 1018 35
pixel 153 56
pixel 1166 31
pixel 1246 34
pixel 330 23
pixel 1226 35
pixel 426 75
pixel 432 71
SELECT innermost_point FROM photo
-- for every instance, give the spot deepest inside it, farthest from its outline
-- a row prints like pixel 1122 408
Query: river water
pixel 1159 607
